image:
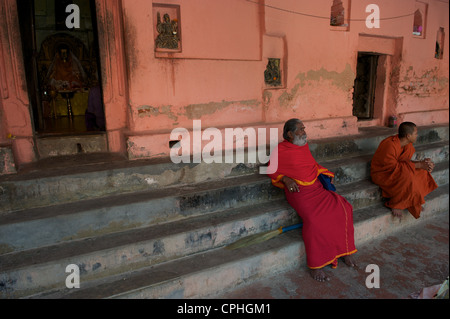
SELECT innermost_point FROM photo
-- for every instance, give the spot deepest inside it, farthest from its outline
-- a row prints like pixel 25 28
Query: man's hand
pixel 290 184
pixel 429 164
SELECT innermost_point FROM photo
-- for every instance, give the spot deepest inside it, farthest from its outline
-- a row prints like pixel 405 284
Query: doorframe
pixel 16 104
pixel 373 83
pixel 113 72
pixel 388 72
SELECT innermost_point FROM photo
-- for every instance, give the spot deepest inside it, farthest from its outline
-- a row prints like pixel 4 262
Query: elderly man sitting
pixel 327 217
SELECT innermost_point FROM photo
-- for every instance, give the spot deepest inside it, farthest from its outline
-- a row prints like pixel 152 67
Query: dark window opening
pixel 365 84
pixel 439 50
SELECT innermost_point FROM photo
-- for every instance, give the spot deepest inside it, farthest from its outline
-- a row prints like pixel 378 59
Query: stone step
pixel 206 273
pixel 50 225
pixel 107 254
pixel 368 140
pixel 47 191
pixel 70 179
pixel 7 165
pixel 351 169
pixel 52 146
pixel 130 229
pixel 392 255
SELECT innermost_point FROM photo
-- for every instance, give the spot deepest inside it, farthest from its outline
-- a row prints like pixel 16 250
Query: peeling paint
pixel 196 111
pixel 150 111
pixel 425 84
pixel 286 98
pixel 343 81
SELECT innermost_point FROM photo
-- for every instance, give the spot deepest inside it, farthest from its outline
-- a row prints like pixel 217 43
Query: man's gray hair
pixel 290 126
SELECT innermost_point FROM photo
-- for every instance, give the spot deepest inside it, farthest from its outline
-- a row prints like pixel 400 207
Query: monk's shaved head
pixel 406 128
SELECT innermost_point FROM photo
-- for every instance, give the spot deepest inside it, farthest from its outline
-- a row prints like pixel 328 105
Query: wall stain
pixel 423 85
pixel 197 111
pixel 192 111
pixel 343 81
pixel 151 111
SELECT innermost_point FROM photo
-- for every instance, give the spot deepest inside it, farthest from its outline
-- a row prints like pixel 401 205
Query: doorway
pixel 365 86
pixel 62 65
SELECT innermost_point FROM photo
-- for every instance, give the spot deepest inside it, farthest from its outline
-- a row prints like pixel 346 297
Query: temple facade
pixel 140 69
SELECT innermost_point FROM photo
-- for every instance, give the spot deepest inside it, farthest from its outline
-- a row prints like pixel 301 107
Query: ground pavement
pixel 409 260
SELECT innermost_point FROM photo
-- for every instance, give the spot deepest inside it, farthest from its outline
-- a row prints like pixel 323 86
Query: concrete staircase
pixel 154 229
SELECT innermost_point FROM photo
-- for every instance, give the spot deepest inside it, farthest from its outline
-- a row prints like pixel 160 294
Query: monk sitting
pixel 327 217
pixel 403 181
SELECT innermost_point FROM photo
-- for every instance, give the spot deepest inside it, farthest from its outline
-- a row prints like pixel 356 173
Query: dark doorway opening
pixel 62 66
pixel 365 85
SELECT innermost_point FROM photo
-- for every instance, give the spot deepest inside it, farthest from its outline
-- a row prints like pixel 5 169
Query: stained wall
pixel 217 73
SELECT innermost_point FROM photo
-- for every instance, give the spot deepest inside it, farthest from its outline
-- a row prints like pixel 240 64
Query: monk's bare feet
pixel 319 275
pixel 349 261
pixel 397 213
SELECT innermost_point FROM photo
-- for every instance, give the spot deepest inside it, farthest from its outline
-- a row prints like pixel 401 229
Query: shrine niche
pixel 66 71
pixel 439 50
pixel 167 28
pixel 272 74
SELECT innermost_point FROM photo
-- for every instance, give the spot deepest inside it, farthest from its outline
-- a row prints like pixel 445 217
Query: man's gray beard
pixel 300 141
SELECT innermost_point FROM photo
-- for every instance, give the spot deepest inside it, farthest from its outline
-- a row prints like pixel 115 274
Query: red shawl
pixel 297 163
pixel 327 217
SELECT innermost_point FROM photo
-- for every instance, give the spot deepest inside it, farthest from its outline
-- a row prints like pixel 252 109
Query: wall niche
pixel 167 27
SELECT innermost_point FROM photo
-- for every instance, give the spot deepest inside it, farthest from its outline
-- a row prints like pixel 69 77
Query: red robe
pixel 400 181
pixel 327 217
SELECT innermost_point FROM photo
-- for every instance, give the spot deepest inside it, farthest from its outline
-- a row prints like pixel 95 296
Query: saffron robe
pixel 327 217
pixel 400 181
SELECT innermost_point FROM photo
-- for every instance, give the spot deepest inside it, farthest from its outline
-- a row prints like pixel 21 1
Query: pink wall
pixel 15 111
pixel 212 78
pixel 3 133
pixel 218 77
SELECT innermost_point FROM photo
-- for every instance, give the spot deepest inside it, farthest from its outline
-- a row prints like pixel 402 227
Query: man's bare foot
pixel 349 261
pixel 319 275
pixel 397 212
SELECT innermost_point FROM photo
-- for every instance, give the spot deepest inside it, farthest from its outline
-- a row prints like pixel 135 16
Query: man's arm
pixel 291 185
pixel 427 164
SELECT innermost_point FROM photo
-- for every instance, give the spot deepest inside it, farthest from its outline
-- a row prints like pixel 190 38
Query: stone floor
pixel 408 261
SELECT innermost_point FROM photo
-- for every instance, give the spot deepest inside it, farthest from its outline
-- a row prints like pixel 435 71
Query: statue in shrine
pixel 66 72
pixel 167 32
pixel 272 74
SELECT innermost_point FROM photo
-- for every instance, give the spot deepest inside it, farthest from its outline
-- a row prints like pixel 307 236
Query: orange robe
pixel 400 181
pixel 327 217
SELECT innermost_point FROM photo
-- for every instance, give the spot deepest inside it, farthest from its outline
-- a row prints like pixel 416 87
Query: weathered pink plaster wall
pixel 15 104
pixel 218 77
pixel 3 134
pixel 213 78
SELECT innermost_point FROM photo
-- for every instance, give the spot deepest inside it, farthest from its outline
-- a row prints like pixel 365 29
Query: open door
pixel 365 85
pixel 62 66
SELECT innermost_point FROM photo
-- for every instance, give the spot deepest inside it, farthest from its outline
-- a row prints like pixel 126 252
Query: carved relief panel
pixel 272 74
pixel 167 28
